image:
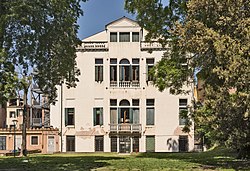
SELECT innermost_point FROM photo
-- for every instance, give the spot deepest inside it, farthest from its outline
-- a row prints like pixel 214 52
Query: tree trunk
pixel 24 125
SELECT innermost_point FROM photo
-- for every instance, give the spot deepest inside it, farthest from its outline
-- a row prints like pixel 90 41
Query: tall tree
pixel 38 41
pixel 213 38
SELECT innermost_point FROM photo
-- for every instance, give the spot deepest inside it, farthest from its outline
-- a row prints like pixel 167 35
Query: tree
pixel 38 42
pixel 215 35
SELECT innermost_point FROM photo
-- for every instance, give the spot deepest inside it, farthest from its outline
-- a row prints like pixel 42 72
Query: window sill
pixel 70 126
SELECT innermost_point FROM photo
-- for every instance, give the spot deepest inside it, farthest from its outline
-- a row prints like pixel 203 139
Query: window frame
pixel 95 116
pixel 67 116
pixel 124 36
pixel 150 62
pixel 32 142
pixel 183 106
pixel 3 141
pixel 99 69
pixel 150 104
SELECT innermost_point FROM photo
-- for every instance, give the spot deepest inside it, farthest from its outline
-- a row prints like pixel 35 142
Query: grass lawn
pixel 219 159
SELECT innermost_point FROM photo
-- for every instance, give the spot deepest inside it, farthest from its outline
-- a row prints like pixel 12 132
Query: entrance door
pixel 70 143
pixel 150 143
pixel 125 143
pixel 183 143
pixel 51 144
pixel 99 143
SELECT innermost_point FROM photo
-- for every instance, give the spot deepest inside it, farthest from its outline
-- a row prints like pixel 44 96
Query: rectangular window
pixel 99 70
pixel 183 111
pixel 135 69
pixel 150 112
pixel 98 116
pixel 70 143
pixel 12 114
pixel 99 143
pixel 150 143
pixel 149 65
pixel 113 37
pixel 2 142
pixel 124 37
pixel 113 144
pixel 69 116
pixel 113 102
pixel 136 144
pixel 34 140
pixel 135 37
pixel 113 72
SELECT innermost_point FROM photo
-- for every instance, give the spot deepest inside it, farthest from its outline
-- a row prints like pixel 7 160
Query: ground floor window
pixel 150 143
pixel 124 144
pixel 183 143
pixel 99 143
pixel 70 143
pixel 2 142
pixel 34 140
pixel 113 144
pixel 136 144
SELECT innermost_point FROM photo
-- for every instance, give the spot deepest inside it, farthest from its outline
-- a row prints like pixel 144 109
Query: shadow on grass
pixel 54 163
pixel 218 158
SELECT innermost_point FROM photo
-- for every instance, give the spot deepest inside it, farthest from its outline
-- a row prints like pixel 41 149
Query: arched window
pixel 124 103
pixel 124 71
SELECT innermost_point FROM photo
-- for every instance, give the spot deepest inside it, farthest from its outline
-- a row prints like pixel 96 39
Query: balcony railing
pixel 36 121
pixel 126 127
pixel 152 46
pixel 86 46
pixel 124 84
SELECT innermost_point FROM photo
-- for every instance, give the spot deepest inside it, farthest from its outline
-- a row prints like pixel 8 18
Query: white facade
pixel 115 107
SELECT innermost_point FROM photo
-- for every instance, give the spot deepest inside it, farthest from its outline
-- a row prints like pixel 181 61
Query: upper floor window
pixel 98 116
pixel 135 36
pixel 69 116
pixel 113 37
pixel 99 70
pixel 12 114
pixel 183 111
pixel 129 74
pixel 150 112
pixel 149 66
pixel 124 37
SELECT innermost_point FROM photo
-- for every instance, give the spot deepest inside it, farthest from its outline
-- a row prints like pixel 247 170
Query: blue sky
pixel 98 13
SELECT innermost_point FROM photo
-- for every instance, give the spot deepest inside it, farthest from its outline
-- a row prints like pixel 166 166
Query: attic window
pixel 113 37
pixel 135 37
pixel 124 37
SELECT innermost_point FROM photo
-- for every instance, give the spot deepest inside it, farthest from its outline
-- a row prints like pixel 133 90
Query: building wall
pixel 42 143
pixel 89 94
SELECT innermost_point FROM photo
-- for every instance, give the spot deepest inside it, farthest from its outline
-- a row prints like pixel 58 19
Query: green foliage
pixel 39 36
pixel 216 35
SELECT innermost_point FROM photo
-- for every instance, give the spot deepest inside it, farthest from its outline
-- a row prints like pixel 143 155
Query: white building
pixel 115 107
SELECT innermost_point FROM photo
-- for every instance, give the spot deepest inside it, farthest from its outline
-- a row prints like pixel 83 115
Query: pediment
pixel 123 22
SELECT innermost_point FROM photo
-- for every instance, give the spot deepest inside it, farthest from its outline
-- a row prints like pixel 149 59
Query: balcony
pixel 93 46
pixel 125 84
pixel 126 128
pixel 152 46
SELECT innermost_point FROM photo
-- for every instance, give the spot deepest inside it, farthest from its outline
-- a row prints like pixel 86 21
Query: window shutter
pixel 94 116
pixel 136 116
pixel 121 73
pixel 130 73
pixel 101 116
pixel 96 73
pixel 101 73
pixel 66 116
pixel 147 72
pixel 130 115
pixel 119 115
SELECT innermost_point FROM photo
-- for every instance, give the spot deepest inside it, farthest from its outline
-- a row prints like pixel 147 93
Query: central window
pixel 129 74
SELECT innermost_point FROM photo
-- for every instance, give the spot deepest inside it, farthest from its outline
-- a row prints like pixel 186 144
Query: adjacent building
pixel 41 137
pixel 115 107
